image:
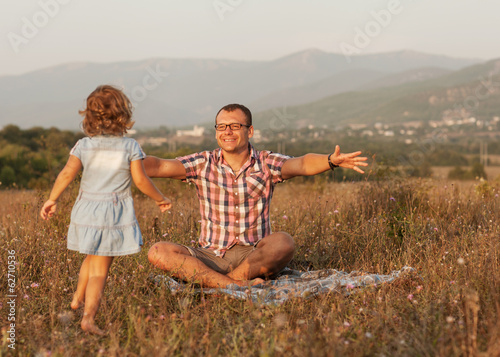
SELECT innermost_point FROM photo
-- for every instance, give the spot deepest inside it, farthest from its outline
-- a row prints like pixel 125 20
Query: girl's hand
pixel 48 209
pixel 164 204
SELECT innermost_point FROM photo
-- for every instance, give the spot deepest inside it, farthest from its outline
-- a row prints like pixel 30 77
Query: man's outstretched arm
pixel 165 168
pixel 313 164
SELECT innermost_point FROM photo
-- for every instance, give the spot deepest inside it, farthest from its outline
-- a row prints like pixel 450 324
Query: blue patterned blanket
pixel 293 283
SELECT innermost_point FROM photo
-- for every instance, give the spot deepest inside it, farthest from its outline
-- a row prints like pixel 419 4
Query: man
pixel 235 185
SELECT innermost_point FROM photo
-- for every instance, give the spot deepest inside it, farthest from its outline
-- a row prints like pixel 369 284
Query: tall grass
pixel 448 231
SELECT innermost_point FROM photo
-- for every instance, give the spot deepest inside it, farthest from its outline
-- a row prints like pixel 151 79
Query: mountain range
pixel 473 91
pixel 315 87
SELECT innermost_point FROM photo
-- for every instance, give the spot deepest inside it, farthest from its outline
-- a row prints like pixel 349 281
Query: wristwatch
pixel 332 165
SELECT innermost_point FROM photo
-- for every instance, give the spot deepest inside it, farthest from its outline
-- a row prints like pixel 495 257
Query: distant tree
pixel 12 134
pixel 457 173
pixel 423 170
pixel 477 171
pixel 7 176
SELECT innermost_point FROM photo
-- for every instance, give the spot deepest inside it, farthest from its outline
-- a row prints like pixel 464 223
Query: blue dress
pixel 103 219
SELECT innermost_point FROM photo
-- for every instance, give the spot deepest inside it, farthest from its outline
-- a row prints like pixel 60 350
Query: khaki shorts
pixel 233 257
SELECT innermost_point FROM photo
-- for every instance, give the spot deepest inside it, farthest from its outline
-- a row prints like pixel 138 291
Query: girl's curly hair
pixel 108 112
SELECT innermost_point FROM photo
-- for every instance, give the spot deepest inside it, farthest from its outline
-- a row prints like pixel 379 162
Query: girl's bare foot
pixel 88 325
pixel 76 303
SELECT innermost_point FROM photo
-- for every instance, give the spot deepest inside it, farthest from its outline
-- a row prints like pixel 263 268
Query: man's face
pixel 233 141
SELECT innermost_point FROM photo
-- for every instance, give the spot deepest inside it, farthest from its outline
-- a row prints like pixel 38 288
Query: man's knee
pixel 283 243
pixel 162 250
pixel 154 253
pixel 287 243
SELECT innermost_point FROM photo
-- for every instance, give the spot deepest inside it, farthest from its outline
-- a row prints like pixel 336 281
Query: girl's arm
pixel 144 183
pixel 67 174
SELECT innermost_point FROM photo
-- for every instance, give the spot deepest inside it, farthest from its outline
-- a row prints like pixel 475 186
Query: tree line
pixel 32 158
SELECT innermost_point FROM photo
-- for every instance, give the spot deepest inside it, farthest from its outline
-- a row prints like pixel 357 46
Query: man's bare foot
pixel 76 303
pixel 252 282
pixel 88 325
pixel 256 281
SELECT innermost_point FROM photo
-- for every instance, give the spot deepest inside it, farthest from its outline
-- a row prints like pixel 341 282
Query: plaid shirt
pixel 234 207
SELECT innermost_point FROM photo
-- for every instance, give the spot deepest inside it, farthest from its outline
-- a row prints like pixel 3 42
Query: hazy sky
pixel 42 33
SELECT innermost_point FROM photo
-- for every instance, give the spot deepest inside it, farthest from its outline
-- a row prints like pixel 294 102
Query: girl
pixel 103 223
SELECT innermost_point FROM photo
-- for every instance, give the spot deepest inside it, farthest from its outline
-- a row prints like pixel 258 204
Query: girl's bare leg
pixel 83 278
pixel 98 272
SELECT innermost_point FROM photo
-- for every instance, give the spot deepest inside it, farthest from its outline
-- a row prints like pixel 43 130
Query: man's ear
pixel 250 132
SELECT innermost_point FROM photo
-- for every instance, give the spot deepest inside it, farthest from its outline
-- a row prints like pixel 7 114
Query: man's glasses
pixel 232 126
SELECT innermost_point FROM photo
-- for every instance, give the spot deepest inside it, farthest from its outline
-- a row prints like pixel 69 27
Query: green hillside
pixel 475 88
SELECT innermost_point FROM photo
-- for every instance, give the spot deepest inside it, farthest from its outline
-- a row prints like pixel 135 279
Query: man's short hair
pixel 233 107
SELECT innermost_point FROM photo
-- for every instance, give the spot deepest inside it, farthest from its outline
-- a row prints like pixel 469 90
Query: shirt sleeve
pixel 193 164
pixel 275 163
pixel 136 152
pixel 77 150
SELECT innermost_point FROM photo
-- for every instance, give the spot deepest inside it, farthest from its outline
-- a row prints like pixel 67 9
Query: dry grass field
pixel 441 172
pixel 448 231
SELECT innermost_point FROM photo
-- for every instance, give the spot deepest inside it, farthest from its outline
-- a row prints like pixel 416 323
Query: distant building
pixel 152 141
pixel 413 124
pixel 196 131
pixel 257 136
pixel 357 126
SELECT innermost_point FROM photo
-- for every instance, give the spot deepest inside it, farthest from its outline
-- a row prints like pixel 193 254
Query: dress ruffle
pixel 104 224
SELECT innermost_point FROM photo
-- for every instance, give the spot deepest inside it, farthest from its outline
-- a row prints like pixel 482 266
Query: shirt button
pixel 236 207
pixel 237 221
pixel 236 193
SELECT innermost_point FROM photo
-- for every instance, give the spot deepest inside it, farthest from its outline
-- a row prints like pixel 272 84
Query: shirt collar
pixel 252 156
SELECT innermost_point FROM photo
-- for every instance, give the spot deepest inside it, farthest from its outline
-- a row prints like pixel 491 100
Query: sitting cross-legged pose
pixel 235 184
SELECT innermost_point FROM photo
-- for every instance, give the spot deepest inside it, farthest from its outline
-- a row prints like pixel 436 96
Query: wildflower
pixel 450 319
pixel 162 317
pixel 435 228
pixel 166 234
pixel 368 335
pixel 410 297
pixel 280 320
pixel 347 324
pixel 461 261
pixel 65 317
pixel 34 285
pixel 392 199
pixel 420 287
pixel 452 282
pixel 349 286
pixel 338 224
pixel 26 297
pixel 140 266
pixel 285 217
pixel 336 211
pixel 192 241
